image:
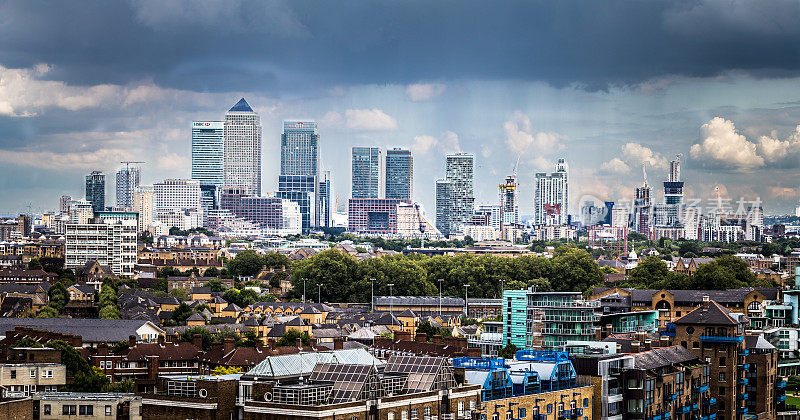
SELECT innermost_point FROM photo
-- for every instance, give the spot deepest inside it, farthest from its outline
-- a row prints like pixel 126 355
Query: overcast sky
pixel 606 85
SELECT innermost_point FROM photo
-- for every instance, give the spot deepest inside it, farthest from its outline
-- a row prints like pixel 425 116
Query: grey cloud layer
pixel 286 46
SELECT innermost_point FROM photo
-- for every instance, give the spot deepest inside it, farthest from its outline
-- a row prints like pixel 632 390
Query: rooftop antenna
pixel 129 162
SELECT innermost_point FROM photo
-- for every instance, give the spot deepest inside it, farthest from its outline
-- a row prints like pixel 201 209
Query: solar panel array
pixel 413 364
pixel 349 380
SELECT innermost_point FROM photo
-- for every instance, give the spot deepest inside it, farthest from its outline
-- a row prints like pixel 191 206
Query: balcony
pixel 780 398
pixel 694 407
pixel 742 410
pixel 575 412
pixel 743 396
pixel 744 381
pixel 710 401
pixel 539 417
pixel 721 339
pixel 700 389
pixel 780 384
pixel 744 366
pixel 684 409
pixel 670 397
pixel 666 415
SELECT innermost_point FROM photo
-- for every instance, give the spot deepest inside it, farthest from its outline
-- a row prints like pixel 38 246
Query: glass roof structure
pixel 302 364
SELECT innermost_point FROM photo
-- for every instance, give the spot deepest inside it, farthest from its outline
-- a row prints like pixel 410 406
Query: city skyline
pixel 733 119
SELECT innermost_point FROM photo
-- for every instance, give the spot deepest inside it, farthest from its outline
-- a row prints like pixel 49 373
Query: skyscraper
pixel 551 198
pixel 455 200
pixel 399 174
pixel 509 210
pixel 325 199
pixel 143 204
pixel 299 179
pixel 299 148
pixel 366 171
pixel 673 193
pixel 127 181
pixel 96 190
pixel 642 207
pixel 175 198
pixel 208 147
pixel 242 148
pixel 63 204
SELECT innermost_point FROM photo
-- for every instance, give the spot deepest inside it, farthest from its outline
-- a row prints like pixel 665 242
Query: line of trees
pixel 724 272
pixel 343 278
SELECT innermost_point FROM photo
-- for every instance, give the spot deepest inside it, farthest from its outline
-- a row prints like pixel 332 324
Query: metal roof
pixel 291 365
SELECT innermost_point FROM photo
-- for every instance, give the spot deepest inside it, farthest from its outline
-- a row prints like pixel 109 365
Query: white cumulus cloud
pixel 360 119
pixel 781 153
pixel 615 166
pixel 521 139
pixel 424 91
pixel 722 147
pixel 444 144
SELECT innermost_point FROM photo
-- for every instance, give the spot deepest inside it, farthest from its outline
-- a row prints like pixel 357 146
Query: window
pixel 585 402
pixel 47 374
pixel 414 414
pixel 427 411
pixel 494 416
pixel 722 361
pixel 508 415
pixel 69 410
pixel 33 373
pixel 108 410
pixel 722 376
pixel 13 374
pixel 86 410
pixel 722 390
pixel 404 414
pixel 522 413
pixel 46 409
pixel 549 408
pixel 390 415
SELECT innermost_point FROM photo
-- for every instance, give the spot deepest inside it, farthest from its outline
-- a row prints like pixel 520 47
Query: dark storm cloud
pixel 280 46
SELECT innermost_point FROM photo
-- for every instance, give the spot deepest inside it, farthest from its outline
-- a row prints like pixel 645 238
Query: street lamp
pixel 466 308
pixel 440 298
pixel 372 287
pixel 319 293
pixel 304 290
pixel 391 303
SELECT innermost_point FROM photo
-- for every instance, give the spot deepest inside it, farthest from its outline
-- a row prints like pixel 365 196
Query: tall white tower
pixel 551 198
pixel 242 161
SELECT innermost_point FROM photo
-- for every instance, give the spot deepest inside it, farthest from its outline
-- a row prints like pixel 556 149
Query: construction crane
pixel 129 162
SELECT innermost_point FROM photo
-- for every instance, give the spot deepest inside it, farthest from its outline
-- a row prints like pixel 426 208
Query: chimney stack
pixel 197 340
pixel 338 343
pixel 635 347
pixel 228 344
pixel 132 340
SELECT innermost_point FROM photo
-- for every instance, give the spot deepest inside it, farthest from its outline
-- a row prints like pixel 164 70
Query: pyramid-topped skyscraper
pixel 242 164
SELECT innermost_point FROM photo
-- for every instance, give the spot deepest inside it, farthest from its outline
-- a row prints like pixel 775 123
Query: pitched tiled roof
pixel 239 356
pixel 166 351
pixel 710 313
pixel 662 357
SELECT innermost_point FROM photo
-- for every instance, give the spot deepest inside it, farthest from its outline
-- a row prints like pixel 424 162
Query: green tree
pixel 247 263
pixel 574 270
pixel 276 260
pixel 793 383
pixel 181 313
pixel 291 336
pixel 58 297
pixel 648 272
pixel 47 312
pixel 216 286
pixel 125 386
pixel 724 272
pixel 508 352
pixel 168 271
pixel 188 336
pixel 427 329
pixel 110 312
pixel 336 271
pixel 211 272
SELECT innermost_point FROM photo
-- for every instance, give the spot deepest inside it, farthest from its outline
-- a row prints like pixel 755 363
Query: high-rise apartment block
pixel 509 210
pixel 399 174
pixel 274 215
pixel 551 197
pixel 366 171
pixel 110 240
pixel 642 208
pixel 127 182
pixel 143 204
pixel 63 204
pixel 208 151
pixel 455 200
pixel 96 190
pixel 242 148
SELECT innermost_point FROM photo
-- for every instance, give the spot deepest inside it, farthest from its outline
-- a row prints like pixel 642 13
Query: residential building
pixel 536 384
pixel 301 189
pixel 546 319
pixel 96 190
pixel 61 405
pixel 143 204
pixel 208 148
pixel 551 196
pixel 399 174
pixel 25 379
pixel 325 192
pixel 455 199
pixel 412 224
pixel 372 216
pixel 80 211
pixel 277 216
pixel 110 240
pixel 63 204
pixel 242 148
pixel 366 172
pixel 173 199
pixel 127 183
pixel 15 228
pixel 716 335
pixel 509 208
pixel 642 208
